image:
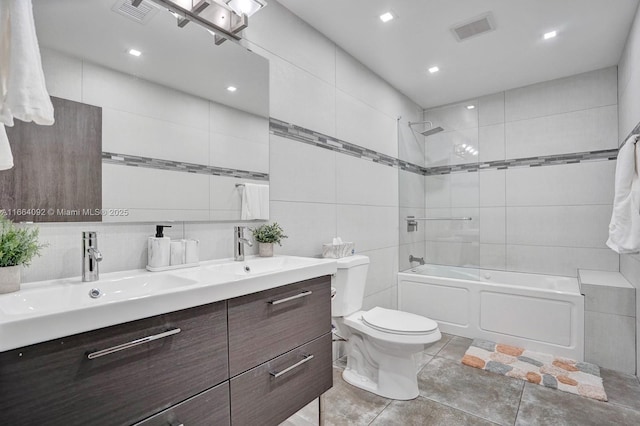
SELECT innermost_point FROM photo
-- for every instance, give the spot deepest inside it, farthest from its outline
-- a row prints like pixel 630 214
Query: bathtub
pixel 542 313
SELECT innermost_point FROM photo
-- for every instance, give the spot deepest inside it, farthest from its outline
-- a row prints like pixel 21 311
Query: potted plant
pixel 17 247
pixel 266 235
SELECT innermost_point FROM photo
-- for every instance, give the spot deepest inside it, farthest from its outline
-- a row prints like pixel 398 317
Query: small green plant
pixel 17 246
pixel 268 233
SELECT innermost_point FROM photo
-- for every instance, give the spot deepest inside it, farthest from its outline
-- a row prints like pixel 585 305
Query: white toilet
pixel 383 345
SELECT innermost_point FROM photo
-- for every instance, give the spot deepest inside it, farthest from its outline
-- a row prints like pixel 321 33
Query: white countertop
pixel 47 310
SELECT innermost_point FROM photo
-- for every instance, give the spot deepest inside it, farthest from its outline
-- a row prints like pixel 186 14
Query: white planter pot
pixel 265 249
pixel 9 279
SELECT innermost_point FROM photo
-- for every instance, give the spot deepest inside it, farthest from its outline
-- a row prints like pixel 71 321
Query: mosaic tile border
pixel 301 134
pixel 177 166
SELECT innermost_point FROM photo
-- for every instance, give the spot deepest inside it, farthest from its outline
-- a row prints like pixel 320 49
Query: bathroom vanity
pixel 255 358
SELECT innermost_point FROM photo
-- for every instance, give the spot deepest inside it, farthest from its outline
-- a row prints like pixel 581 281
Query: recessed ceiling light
pixel 134 52
pixel 550 34
pixel 471 106
pixel 386 17
pixel 232 89
pixel 434 69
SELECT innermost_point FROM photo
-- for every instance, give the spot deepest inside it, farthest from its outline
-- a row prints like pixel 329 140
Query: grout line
pixel 524 384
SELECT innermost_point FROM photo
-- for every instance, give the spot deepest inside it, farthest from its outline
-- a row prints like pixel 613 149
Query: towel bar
pixel 412 221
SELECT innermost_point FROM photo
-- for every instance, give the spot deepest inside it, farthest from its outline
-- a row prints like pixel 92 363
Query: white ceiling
pixel 591 35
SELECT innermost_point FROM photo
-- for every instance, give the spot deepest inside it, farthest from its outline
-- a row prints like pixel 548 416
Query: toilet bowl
pixel 383 346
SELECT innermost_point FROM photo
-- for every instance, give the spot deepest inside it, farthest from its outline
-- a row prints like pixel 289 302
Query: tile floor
pixel 455 394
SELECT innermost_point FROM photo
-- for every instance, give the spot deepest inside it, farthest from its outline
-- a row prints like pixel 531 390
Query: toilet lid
pixel 398 322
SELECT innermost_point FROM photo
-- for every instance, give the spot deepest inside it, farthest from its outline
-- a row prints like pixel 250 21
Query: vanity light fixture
pixel 386 17
pixel 225 19
pixel 134 52
pixel 246 7
pixel 433 70
pixel 232 89
pixel 550 34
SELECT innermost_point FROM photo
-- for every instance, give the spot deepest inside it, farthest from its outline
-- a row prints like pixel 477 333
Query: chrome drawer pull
pixel 133 343
pixel 305 358
pixel 287 299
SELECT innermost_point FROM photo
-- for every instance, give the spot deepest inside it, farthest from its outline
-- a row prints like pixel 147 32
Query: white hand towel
pixel 624 229
pixel 6 158
pixel 23 93
pixel 255 202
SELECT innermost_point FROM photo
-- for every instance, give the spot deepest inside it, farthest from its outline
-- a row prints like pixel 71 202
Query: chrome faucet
pixel 91 256
pixel 239 241
pixel 412 258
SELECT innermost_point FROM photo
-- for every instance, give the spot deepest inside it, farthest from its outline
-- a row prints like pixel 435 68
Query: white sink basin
pixel 47 310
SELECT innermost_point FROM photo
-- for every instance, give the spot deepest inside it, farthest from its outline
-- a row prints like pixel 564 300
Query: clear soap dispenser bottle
pixel 158 249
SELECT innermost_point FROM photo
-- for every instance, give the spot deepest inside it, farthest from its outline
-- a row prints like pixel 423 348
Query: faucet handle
pixel 95 253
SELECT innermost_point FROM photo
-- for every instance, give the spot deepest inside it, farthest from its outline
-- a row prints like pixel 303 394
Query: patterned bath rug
pixel 580 378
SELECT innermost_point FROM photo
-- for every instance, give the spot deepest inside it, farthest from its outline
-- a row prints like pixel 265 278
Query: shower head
pixel 432 130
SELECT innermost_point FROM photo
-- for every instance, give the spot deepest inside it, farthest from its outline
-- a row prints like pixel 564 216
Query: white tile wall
pixel 411 189
pixel 493 225
pixel 606 349
pixel 561 226
pixel 491 143
pixel 571 184
pixel 360 181
pixel 152 189
pixel 370 227
pixel 493 256
pixel 559 260
pixel 112 89
pixel 579 131
pixel 379 133
pixel 491 109
pixel 382 270
pixel 301 172
pixel 492 187
pixel 579 92
pixel 130 133
pixel 299 97
pixel 309 225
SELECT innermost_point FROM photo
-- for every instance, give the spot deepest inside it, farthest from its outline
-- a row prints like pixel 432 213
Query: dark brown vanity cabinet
pixel 56 382
pixel 181 373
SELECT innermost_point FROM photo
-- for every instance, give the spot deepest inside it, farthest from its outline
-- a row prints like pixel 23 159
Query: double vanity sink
pixel 224 343
pixel 46 310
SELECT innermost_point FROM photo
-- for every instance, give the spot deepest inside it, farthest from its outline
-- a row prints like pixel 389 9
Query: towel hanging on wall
pixel 255 201
pixel 624 229
pixel 23 94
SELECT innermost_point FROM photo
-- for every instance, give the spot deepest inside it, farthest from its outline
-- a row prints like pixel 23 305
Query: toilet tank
pixel 349 283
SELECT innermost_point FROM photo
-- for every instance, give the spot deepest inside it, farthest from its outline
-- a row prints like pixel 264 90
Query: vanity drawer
pixel 210 408
pixel 266 324
pixel 258 397
pixel 56 383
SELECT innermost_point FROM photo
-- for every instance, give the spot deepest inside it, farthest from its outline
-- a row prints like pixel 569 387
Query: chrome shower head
pixel 432 130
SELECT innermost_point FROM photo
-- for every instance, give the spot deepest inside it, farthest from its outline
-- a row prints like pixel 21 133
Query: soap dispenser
pixel 158 249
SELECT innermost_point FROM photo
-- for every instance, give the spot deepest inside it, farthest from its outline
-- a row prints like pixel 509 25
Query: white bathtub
pixel 542 313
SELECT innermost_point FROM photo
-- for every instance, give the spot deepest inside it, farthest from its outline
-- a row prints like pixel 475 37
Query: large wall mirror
pixel 176 141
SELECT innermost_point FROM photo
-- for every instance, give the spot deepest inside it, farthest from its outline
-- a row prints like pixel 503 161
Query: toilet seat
pixel 398 322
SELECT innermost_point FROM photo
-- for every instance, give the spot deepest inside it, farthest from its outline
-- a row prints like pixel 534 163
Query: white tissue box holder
pixel 336 251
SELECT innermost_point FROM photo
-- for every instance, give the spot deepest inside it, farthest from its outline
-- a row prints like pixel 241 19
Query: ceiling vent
pixel 474 27
pixel 141 14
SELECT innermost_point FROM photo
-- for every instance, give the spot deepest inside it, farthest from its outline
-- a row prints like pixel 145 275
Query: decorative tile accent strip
pixel 548 160
pixel 297 133
pixel 177 166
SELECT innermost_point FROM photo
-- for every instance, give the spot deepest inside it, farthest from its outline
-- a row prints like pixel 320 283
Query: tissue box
pixel 336 251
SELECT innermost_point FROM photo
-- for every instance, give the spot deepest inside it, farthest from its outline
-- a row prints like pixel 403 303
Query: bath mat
pixel 580 378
